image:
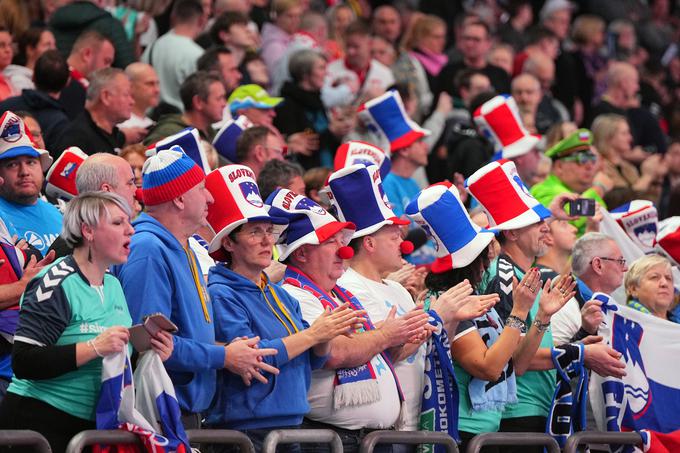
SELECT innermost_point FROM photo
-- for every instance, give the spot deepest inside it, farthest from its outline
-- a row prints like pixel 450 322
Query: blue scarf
pixel 485 395
pixel 352 386
pixel 439 406
pixel 568 410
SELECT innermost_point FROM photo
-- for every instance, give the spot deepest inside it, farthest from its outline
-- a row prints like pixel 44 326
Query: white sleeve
pixel 566 322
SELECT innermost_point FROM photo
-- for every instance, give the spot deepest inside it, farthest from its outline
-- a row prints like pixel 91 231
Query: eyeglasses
pixel 580 158
pixel 257 234
pixel 621 261
pixel 280 151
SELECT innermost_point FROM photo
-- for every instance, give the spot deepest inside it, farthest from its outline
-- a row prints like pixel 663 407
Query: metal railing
pixel 289 436
pixel 407 437
pixel 600 437
pixel 101 436
pixel 24 438
pixel 221 436
pixel 513 439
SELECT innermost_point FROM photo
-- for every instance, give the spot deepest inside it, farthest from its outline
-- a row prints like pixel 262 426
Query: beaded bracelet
pixel 517 323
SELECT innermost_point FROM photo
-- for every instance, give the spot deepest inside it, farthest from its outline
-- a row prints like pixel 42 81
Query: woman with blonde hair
pixel 425 40
pixel 612 138
pixel 649 286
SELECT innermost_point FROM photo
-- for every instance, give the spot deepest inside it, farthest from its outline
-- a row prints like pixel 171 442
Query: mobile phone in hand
pixel 582 207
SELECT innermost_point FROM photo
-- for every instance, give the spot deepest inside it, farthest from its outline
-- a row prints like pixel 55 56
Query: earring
pixel 89 253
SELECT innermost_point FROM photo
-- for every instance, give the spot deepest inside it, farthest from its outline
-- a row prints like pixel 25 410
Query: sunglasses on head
pixel 580 157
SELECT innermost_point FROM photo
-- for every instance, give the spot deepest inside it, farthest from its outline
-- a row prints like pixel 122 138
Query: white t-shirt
pixel 378 299
pixel 566 322
pixel 377 415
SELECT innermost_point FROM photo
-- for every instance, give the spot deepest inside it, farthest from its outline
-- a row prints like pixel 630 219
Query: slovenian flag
pixel 120 407
pixel 648 397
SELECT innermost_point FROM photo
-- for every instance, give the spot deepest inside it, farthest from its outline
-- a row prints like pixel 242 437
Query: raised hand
pixel 524 292
pixel 342 320
pixel 400 330
pixel 555 296
pixel 244 357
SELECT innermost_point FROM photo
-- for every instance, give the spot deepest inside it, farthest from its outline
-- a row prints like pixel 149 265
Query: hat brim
pixel 268 103
pixel 280 225
pixel 317 237
pixel 529 217
pixel 373 228
pixel 520 147
pixel 465 255
pixel 23 150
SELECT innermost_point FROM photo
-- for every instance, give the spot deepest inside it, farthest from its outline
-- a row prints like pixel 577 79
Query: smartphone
pixel 141 334
pixel 584 207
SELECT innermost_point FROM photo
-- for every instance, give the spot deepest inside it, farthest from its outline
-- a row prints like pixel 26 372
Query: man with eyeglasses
pixel 574 170
pixel 257 146
pixel 599 266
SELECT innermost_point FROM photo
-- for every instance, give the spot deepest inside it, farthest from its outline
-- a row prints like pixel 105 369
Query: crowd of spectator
pixel 334 202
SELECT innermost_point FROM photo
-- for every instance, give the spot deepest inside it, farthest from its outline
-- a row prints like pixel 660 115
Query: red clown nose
pixel 406 247
pixel 345 252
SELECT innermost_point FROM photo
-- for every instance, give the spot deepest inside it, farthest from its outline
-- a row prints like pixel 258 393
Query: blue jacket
pixel 158 278
pixel 242 310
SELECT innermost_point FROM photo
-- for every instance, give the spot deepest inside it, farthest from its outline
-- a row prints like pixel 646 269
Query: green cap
pixel 581 140
pixel 251 95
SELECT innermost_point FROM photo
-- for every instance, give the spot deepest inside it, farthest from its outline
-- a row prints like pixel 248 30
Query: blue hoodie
pixel 158 278
pixel 241 310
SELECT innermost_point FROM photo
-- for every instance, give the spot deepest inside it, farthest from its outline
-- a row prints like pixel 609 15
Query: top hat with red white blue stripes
pixel 458 240
pixel 498 120
pixel 61 178
pixel 357 195
pixel 358 152
pixel 386 115
pixel 639 219
pixel 190 141
pixel 237 201
pixel 506 200
pixel 308 223
pixel 668 239
pixel 225 139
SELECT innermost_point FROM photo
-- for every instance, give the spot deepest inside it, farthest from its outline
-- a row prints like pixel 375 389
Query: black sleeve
pixel 42 362
pixel 45 310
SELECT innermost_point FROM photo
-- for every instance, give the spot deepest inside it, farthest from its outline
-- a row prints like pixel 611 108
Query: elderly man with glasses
pixel 575 169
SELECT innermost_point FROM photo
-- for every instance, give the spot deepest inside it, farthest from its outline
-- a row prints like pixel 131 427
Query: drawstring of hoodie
pixel 198 281
pixel 282 309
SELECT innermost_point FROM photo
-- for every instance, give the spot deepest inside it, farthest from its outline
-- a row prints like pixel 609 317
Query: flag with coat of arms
pixel 152 412
pixel 648 396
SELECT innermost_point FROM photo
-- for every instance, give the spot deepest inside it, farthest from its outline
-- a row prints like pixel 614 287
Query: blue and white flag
pixel 648 397
pixel 120 407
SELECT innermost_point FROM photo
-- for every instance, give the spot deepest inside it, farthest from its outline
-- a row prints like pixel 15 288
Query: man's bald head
pixel 145 86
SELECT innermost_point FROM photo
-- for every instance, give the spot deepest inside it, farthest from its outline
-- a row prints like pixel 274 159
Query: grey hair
pixel 585 249
pixel 100 80
pixel 301 63
pixel 640 267
pixel 94 172
pixel 88 209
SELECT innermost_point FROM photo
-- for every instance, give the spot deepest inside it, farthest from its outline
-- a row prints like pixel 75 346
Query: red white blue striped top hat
pixel 386 115
pixel 61 178
pixel 358 152
pixel 639 219
pixel 357 195
pixel 168 174
pixel 225 140
pixel 237 201
pixel 668 239
pixel 190 141
pixel 16 140
pixel 498 120
pixel 457 239
pixel 308 223
pixel 505 198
